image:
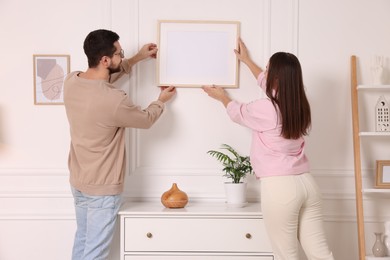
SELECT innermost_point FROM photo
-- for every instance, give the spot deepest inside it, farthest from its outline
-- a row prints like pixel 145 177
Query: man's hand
pixel 147 51
pixel 166 93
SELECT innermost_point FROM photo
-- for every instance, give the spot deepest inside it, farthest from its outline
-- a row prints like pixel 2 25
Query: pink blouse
pixel 271 154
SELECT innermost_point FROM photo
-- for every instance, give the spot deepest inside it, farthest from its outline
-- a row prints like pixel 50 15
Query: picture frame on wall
pixel 382 178
pixel 197 53
pixel 50 71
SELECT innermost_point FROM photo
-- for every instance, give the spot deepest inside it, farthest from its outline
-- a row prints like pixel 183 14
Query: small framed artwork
pixel 196 53
pixel 49 74
pixel 382 179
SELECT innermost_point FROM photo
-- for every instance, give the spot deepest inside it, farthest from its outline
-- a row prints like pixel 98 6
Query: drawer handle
pixel 149 235
pixel 248 235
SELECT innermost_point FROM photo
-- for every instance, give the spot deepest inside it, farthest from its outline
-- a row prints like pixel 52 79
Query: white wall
pixel 36 212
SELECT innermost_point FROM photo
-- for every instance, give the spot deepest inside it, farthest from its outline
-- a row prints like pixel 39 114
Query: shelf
pixel 377 258
pixel 373 87
pixel 374 133
pixel 376 191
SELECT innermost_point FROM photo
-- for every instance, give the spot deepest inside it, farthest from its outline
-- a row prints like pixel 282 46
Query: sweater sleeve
pixel 128 114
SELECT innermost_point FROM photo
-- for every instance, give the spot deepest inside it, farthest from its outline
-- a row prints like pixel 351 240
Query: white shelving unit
pixel 357 134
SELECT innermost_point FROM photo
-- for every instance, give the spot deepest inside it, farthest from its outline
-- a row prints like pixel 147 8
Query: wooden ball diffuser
pixel 174 198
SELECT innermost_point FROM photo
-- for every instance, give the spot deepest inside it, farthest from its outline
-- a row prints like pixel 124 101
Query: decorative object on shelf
pixel 382 177
pixel 379 248
pixel 377 70
pixel 236 167
pixel 174 198
pixel 386 239
pixel 382 119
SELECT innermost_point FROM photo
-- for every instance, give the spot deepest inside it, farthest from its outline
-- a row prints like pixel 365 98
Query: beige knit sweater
pixel 98 114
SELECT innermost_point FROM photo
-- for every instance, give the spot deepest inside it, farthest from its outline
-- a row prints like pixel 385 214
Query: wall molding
pixel 335 201
pixel 295 27
pixel 35 194
pixel 267 30
pixel 107 14
pixel 134 135
pixel 37 216
pixel 33 172
pixel 337 173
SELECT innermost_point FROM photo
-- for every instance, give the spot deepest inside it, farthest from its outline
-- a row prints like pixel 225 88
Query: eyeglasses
pixel 121 53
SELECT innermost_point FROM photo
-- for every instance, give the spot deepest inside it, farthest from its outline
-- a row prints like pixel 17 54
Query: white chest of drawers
pixel 148 231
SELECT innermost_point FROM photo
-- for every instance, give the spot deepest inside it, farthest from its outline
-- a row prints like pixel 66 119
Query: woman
pixel 291 201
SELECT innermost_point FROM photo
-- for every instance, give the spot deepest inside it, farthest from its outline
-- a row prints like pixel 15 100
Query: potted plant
pixel 236 167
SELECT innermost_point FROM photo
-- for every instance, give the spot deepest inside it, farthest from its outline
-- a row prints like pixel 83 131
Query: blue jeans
pixel 96 217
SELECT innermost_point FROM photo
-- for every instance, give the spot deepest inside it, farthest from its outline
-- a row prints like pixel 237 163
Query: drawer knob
pixel 149 235
pixel 248 235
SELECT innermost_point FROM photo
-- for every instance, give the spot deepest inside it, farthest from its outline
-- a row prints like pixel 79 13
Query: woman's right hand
pixel 217 93
pixel 243 55
pixel 242 52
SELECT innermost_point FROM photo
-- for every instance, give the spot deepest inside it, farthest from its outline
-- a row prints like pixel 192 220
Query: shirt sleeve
pixel 127 114
pixel 262 81
pixel 259 115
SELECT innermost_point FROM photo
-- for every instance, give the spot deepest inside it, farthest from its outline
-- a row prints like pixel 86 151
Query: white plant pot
pixel 235 194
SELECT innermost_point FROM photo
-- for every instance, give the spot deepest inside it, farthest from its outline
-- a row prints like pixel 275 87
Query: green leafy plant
pixel 236 167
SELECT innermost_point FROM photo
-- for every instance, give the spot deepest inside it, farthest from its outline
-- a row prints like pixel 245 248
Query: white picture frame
pixel 197 53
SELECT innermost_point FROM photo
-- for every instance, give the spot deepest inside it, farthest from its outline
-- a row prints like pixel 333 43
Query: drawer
pixel 196 257
pixel 194 234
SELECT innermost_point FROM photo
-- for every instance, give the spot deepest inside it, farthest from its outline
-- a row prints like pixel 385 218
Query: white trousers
pixel 292 212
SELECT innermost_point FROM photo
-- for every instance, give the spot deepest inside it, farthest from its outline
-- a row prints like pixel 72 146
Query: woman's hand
pixel 217 93
pixel 243 55
pixel 242 52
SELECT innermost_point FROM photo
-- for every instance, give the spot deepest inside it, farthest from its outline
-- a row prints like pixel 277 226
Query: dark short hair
pixel 99 43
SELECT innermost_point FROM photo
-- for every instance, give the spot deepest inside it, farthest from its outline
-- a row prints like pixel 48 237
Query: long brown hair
pixel 286 90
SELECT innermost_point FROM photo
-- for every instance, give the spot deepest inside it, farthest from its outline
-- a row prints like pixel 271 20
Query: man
pixel 98 114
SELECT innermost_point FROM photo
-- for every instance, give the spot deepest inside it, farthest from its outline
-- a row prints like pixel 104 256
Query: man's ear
pixel 105 61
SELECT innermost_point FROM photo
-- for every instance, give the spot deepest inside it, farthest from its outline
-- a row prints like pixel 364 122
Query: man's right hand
pixel 166 93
